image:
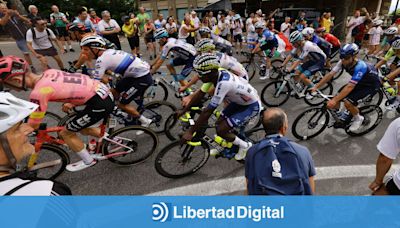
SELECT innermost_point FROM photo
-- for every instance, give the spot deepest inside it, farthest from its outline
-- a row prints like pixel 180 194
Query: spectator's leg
pixel 59 61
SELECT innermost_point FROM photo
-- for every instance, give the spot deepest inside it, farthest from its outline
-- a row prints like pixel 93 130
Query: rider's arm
pixel 345 91
pixel 160 58
pixel 42 100
pixel 192 81
pixel 256 48
pixel 330 75
pixel 156 65
pixel 393 74
pixel 380 63
pixel 288 58
pixel 294 65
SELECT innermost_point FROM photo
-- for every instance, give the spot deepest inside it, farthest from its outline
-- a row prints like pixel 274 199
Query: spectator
pixel 229 18
pixel 33 12
pixel 172 28
pixel 252 36
pixel 185 30
pixel 285 27
pixel 195 19
pixel 130 28
pixel 59 20
pixel 213 20
pixel 94 19
pixel 389 148
pixel 17 26
pixel 237 27
pixel 85 20
pixel 39 40
pixel 375 33
pixel 316 23
pixel 160 22
pixel 275 124
pixel 142 17
pixel 301 25
pixel 15 147
pixel 149 29
pixel 355 21
pixel 259 15
pixel 249 21
pixel 361 32
pixel 223 26
pixel 109 28
pixel 327 23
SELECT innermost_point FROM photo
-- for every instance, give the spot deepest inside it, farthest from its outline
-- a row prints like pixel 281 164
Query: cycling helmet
pixel 259 25
pixel 320 29
pixel 160 33
pixel 94 41
pixel 204 30
pixel 377 22
pixel 11 66
pixel 308 31
pixel 349 50
pixel 13 110
pixel 204 63
pixel 295 36
pixel 396 44
pixel 391 31
pixel 76 27
pixel 205 45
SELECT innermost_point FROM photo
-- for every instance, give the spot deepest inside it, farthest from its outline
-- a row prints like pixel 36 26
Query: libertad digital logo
pixel 161 211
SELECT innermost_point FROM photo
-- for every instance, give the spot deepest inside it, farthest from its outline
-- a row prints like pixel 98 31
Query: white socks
pixel 357 117
pixel 144 119
pixel 239 142
pixel 85 156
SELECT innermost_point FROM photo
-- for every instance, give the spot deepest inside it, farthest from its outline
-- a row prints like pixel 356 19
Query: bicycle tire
pixel 266 97
pixel 249 65
pixel 316 100
pixel 52 172
pixel 151 136
pixel 255 135
pixel 159 118
pixel 161 159
pixel 299 120
pixel 276 63
pixel 160 87
pixel 170 127
pixel 364 111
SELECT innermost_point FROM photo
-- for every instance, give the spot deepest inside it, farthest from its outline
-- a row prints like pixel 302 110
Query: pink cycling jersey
pixel 60 86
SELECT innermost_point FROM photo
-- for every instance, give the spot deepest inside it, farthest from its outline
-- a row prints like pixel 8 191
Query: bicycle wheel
pixel 51 153
pixel 141 146
pixel 310 123
pixel 254 122
pixel 173 128
pixel 156 92
pixel 176 161
pixel 275 93
pixel 372 117
pixel 337 75
pixel 250 68
pixel 255 135
pixel 276 64
pixel 158 111
pixel 317 100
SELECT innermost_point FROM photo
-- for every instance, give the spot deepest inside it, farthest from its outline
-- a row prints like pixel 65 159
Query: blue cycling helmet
pixel 349 50
pixel 160 33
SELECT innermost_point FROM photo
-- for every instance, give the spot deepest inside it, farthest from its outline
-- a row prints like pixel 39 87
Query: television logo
pixel 161 211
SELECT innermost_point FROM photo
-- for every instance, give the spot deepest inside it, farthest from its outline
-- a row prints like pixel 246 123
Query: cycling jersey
pixel 60 86
pixel 363 74
pixel 121 62
pixel 311 51
pixel 233 90
pixel 230 63
pixel 323 44
pixel 220 41
pixel 390 53
pixel 332 40
pixel 180 48
pixel 268 38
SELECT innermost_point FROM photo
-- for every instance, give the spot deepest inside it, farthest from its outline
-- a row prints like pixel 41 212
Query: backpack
pixel 276 169
pixel 47 31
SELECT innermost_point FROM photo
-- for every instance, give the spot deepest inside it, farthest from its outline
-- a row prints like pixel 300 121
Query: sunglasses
pixel 345 57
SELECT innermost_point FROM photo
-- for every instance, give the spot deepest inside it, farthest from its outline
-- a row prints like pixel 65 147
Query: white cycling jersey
pixel 233 90
pixel 310 50
pixel 219 40
pixel 121 62
pixel 180 48
pixel 230 63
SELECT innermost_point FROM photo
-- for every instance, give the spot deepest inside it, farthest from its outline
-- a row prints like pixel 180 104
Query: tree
pixel 17 4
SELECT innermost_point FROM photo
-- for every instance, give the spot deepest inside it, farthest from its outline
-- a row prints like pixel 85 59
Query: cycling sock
pixel 144 119
pixel 239 142
pixel 357 117
pixel 70 47
pixel 85 156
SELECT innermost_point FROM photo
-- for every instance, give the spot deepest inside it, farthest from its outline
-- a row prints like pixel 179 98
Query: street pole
pixel 395 10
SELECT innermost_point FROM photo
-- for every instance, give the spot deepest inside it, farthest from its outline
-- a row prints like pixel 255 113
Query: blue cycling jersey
pixel 362 74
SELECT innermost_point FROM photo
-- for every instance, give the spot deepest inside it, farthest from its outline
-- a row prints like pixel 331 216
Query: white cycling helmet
pixel 295 36
pixel 377 22
pixel 308 31
pixel 391 31
pixel 94 42
pixel 259 25
pixel 396 44
pixel 13 110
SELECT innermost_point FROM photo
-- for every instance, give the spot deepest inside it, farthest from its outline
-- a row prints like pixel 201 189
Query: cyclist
pixel 325 46
pixel 311 58
pixel 333 40
pixel 135 74
pixel 364 83
pixel 394 68
pixel 268 43
pixel 60 86
pixel 14 146
pixel 221 44
pixel 184 55
pixel 391 34
pixel 243 100
pixel 227 62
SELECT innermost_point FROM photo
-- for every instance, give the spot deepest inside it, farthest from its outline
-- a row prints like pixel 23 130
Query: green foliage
pixel 117 8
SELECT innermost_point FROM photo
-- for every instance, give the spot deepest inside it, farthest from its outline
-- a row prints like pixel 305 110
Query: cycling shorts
pixel 239 115
pixel 309 68
pixel 361 92
pixel 96 109
pixel 187 63
pixel 130 88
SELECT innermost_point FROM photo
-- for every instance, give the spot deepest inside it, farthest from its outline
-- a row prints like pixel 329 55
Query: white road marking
pixel 236 184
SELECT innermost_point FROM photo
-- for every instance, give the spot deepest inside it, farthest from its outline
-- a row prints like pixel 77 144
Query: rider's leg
pixel 350 102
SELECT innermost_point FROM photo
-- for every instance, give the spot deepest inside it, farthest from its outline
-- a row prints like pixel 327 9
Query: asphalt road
pixel 346 164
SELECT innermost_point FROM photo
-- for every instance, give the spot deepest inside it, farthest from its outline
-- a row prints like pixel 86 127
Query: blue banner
pixel 216 211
